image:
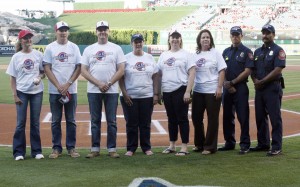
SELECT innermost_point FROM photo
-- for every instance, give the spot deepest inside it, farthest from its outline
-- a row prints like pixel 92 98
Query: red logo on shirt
pixel 100 55
pixel 281 55
pixel 28 64
pixel 140 66
pixel 200 62
pixel 62 57
pixel 170 61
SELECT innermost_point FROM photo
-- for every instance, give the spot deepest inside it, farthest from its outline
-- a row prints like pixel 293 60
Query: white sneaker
pixel 19 158
pixel 39 156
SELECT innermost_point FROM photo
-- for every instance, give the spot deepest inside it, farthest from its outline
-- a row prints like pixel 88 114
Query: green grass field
pixel 221 169
pixel 159 19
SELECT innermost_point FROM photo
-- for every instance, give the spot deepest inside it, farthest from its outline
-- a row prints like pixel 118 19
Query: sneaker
pixel 55 154
pixel 113 155
pixel 73 153
pixel 149 153
pixel 129 153
pixel 206 152
pixel 92 154
pixel 244 150
pixel 274 152
pixel 19 158
pixel 39 156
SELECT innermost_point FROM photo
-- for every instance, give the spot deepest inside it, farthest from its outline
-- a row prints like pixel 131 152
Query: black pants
pixel 177 112
pixel 208 102
pixel 138 122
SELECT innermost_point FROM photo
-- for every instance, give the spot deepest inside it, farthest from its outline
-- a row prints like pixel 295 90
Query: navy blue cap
pixel 137 36
pixel 268 28
pixel 236 29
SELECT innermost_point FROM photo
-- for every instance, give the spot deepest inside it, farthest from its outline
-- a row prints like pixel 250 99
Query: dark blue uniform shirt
pixel 266 59
pixel 237 59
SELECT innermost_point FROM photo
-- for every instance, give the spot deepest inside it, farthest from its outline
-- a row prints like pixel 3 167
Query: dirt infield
pixel 159 135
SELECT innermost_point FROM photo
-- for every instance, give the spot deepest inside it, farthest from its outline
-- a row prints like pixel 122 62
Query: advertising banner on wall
pixel 7 50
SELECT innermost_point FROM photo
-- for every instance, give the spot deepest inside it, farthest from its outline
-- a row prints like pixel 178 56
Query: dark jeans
pixel 236 103
pixel 268 103
pixel 19 139
pixel 208 102
pixel 111 103
pixel 70 114
pixel 177 112
pixel 138 122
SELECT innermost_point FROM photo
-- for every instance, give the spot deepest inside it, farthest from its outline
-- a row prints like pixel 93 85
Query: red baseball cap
pixel 24 33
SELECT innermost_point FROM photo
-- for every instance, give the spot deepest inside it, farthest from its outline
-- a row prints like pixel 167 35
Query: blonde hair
pixel 18 46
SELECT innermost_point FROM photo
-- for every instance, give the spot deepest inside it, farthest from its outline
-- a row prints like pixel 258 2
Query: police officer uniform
pixel 268 96
pixel 237 59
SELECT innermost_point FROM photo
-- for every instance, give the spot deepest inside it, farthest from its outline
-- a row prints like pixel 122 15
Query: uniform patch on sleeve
pixel 250 55
pixel 281 55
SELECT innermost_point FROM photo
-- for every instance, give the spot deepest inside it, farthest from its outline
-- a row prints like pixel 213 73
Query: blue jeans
pixel 95 105
pixel 70 114
pixel 19 139
pixel 138 123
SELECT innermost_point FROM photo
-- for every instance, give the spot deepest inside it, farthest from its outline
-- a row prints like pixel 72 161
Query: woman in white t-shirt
pixel 178 72
pixel 139 87
pixel 26 71
pixel 207 92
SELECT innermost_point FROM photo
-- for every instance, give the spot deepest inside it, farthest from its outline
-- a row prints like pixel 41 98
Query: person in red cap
pixel 26 71
pixel 62 67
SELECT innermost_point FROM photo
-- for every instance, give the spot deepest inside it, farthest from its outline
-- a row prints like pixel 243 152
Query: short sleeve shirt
pixel 174 67
pixel 102 61
pixel 138 75
pixel 63 59
pixel 25 67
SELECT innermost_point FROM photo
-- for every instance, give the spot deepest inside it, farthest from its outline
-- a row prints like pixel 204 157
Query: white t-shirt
pixel 175 67
pixel 102 61
pixel 63 60
pixel 208 65
pixel 25 67
pixel 138 75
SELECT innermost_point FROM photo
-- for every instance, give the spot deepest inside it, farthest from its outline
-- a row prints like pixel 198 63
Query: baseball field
pixel 220 169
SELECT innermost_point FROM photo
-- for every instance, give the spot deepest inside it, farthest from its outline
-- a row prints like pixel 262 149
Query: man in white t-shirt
pixel 62 67
pixel 103 64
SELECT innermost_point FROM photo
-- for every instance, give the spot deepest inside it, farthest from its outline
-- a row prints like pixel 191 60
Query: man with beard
pixel 269 60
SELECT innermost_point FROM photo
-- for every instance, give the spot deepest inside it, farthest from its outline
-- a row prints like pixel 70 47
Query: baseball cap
pixel 268 28
pixel 102 24
pixel 174 33
pixel 137 36
pixel 60 25
pixel 24 33
pixel 236 29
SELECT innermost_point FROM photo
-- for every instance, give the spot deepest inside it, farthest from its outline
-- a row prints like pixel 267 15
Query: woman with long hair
pixel 26 71
pixel 207 93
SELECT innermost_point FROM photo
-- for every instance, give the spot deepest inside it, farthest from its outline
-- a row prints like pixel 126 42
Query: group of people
pixel 206 79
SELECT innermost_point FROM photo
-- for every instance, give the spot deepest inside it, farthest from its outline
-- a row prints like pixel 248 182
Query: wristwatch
pixel 70 82
pixel 109 84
